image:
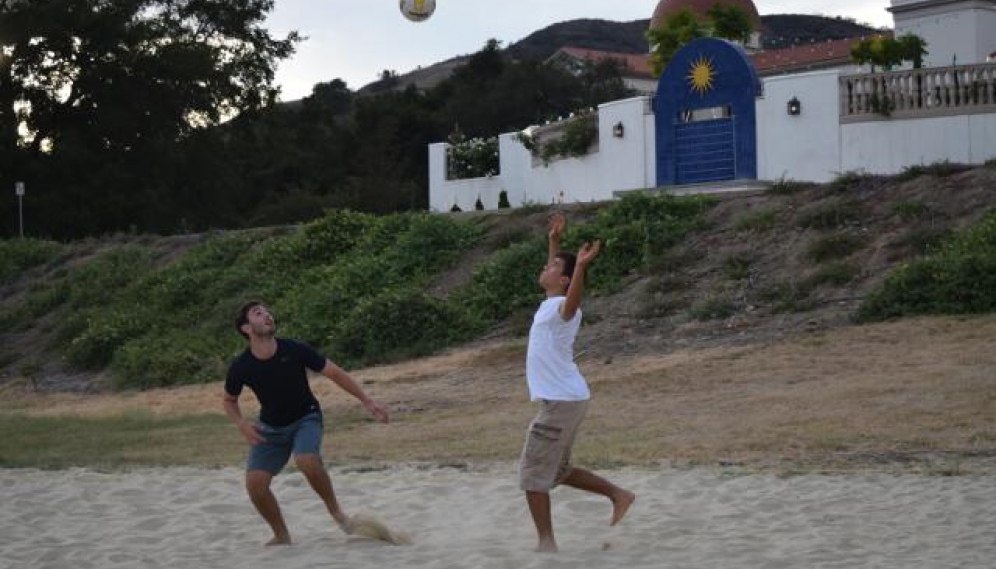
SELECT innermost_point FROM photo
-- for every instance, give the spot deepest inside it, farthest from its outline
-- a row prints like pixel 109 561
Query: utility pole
pixel 19 190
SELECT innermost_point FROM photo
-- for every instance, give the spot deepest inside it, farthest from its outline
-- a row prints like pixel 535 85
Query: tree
pixel 679 28
pixel 913 48
pixel 730 22
pixel 122 80
pixel 889 52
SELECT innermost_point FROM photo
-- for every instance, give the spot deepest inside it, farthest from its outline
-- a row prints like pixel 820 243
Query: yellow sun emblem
pixel 701 75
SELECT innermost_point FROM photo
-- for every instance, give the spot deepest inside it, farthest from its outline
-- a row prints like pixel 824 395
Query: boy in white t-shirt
pixel 555 381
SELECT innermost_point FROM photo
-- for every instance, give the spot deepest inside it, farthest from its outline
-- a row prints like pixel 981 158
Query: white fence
pixel 933 115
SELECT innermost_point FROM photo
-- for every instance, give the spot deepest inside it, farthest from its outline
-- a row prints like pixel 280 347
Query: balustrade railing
pixel 938 91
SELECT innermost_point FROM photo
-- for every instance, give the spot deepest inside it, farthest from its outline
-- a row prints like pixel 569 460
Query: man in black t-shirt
pixel 290 419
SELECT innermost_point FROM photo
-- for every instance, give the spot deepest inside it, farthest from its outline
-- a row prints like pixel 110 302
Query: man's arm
pixel 231 405
pixel 345 381
pixel 575 290
pixel 557 223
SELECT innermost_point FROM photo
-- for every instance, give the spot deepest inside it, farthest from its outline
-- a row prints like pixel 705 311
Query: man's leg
pixel 314 471
pixel 584 480
pixel 258 486
pixel 539 508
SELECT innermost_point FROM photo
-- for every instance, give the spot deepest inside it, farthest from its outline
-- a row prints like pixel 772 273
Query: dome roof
pixel 700 8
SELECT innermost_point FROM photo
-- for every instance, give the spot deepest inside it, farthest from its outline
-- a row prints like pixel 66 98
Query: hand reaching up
pixel 557 222
pixel 589 251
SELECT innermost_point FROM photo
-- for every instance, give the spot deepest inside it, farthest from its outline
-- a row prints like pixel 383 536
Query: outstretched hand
pixel 377 411
pixel 557 222
pixel 589 251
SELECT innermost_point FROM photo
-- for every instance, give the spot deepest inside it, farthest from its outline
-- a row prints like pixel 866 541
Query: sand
pixel 476 517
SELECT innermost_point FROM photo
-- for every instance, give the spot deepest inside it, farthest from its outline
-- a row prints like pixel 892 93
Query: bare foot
pixel 279 540
pixel 344 523
pixel 546 546
pixel 620 505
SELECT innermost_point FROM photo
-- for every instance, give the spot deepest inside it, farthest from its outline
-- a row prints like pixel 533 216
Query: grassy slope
pixel 712 356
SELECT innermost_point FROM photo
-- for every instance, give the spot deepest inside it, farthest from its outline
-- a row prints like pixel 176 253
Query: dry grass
pixel 845 398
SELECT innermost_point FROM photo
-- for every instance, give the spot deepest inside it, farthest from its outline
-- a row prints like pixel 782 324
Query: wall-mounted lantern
pixel 794 107
pixel 618 130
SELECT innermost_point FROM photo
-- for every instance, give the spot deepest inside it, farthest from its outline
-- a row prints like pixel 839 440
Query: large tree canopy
pixel 111 81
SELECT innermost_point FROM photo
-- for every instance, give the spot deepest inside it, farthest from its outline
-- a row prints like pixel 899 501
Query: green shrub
pixel 923 239
pixel 506 282
pixel 104 332
pixel 910 210
pixel 714 308
pixel 19 255
pixel 785 187
pixel 787 296
pixel 831 214
pixel 737 267
pixel 397 324
pixel 940 169
pixel 757 221
pixel 960 278
pixel 833 246
pixel 847 181
pixel 838 273
pixel 175 357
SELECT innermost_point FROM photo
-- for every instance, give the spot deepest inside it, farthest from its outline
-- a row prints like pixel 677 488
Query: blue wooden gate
pixel 706 121
pixel 705 151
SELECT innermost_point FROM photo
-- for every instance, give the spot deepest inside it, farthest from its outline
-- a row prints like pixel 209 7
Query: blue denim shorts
pixel 303 436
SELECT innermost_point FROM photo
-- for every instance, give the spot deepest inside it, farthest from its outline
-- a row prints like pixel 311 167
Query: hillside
pixel 796 259
pixel 780 30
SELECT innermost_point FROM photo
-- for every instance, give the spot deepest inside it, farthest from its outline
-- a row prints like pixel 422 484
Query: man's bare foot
pixel 620 505
pixel 546 546
pixel 279 540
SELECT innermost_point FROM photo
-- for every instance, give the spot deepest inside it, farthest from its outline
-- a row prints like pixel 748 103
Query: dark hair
pixel 242 316
pixel 570 260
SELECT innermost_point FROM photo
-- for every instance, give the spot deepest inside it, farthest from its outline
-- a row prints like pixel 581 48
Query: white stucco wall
pixel 620 163
pixel 805 146
pixel 962 32
pixel 889 146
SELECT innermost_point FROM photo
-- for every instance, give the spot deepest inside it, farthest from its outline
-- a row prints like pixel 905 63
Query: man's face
pixel 260 321
pixel 552 275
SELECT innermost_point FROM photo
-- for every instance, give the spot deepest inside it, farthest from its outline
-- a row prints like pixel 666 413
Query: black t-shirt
pixel 280 383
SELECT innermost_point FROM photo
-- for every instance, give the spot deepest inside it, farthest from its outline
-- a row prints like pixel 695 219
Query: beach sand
pixel 477 517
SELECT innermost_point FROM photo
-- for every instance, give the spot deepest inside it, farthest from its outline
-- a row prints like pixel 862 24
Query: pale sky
pixel 355 40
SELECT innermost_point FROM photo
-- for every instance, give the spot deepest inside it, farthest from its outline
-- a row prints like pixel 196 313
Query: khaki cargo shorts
pixel 546 456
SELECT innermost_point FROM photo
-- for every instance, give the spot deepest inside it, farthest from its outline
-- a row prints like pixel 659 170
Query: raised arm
pixel 575 290
pixel 341 378
pixel 556 222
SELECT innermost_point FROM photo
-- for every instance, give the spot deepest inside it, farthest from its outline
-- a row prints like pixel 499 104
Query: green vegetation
pixel 834 246
pixel 18 255
pixel 830 214
pixel 941 169
pixel 959 278
pixel 837 273
pixel 131 439
pixel 910 210
pixel 354 285
pixel 757 221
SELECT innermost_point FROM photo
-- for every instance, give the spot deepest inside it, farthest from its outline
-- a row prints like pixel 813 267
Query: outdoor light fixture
pixel 618 130
pixel 794 106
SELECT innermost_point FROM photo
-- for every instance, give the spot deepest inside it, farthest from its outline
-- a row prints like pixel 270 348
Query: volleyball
pixel 417 10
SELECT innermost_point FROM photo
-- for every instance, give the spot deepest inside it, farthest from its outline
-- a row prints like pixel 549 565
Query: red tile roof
pixel 819 55
pixel 638 64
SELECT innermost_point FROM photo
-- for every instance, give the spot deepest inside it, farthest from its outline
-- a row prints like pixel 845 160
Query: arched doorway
pixel 705 115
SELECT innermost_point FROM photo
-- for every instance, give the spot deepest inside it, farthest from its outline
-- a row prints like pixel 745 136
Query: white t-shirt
pixel 550 369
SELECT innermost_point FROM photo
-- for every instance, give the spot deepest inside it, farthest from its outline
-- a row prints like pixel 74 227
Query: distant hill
pixel 780 31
